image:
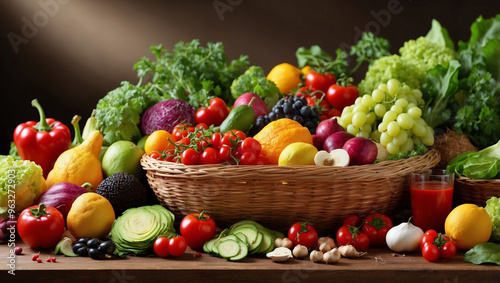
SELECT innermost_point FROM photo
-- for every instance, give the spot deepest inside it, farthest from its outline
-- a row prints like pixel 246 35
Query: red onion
pixel 61 196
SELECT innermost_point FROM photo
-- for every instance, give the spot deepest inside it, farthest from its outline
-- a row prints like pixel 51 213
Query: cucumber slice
pixel 207 247
pixel 242 237
pixel 267 244
pixel 255 246
pixel 228 248
pixel 242 254
pixel 65 247
pixel 250 231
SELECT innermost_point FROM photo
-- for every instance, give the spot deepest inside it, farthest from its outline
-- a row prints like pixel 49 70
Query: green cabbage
pixel 493 209
pixel 136 230
pixel 21 183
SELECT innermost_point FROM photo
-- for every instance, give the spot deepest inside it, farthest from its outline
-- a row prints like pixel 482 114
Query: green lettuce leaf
pixel 483 253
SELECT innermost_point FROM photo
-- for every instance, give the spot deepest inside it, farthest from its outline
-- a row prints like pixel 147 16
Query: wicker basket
pixel 278 196
pixel 476 191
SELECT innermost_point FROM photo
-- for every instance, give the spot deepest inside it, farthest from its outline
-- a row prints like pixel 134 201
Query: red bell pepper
pixel 42 142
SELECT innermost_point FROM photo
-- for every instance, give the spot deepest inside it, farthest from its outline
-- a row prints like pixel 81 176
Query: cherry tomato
pixel 249 158
pixel 190 157
pixel 226 141
pixel 262 160
pixel 155 155
pixel 376 226
pixel 225 154
pixel 448 250
pixel 251 144
pixel 237 152
pixel 214 114
pixel 350 235
pixel 235 135
pixel 161 246
pixel 202 126
pixel 185 141
pixel 177 245
pixel 316 81
pixel 304 234
pixel 339 96
pixel 203 143
pixel 40 226
pixel 430 252
pixel 197 228
pixel 215 140
pixel 436 245
pixel 209 156
pixel 352 220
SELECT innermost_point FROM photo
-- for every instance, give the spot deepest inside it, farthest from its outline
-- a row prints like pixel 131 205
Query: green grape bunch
pixel 391 115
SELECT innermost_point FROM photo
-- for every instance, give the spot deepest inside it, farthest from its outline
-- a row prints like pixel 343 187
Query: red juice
pixel 431 202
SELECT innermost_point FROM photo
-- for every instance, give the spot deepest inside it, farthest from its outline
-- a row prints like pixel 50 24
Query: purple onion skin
pixel 167 114
pixel 61 196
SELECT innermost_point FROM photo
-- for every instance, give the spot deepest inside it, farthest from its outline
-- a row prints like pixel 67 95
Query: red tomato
pixel 155 155
pixel 350 235
pixel 209 156
pixel 376 227
pixel 251 144
pixel 436 245
pixel 304 234
pixel 190 157
pixel 161 246
pixel 430 252
pixel 40 226
pixel 197 228
pixel 448 250
pixel 339 96
pixel 214 114
pixel 215 140
pixel 236 135
pixel 352 220
pixel 202 126
pixel 262 160
pixel 249 158
pixel 177 245
pixel 225 154
pixel 316 81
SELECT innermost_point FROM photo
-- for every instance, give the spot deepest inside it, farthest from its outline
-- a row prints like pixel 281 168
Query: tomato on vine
pixel 209 156
pixel 318 81
pixel 190 157
pixel 437 246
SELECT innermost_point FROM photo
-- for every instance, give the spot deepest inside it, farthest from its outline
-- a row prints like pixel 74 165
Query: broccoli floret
pixel 416 58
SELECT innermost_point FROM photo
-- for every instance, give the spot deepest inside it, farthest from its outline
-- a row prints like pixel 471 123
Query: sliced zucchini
pixel 242 237
pixel 267 244
pixel 242 254
pixel 250 231
pixel 207 247
pixel 255 246
pixel 228 248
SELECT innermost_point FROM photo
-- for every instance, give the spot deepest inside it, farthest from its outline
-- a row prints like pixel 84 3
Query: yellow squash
pixel 80 164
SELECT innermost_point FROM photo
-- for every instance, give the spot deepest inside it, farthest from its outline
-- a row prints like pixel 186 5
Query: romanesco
pixel 21 183
pixel 415 59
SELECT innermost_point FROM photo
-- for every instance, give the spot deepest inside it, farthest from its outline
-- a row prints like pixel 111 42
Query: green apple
pixel 123 156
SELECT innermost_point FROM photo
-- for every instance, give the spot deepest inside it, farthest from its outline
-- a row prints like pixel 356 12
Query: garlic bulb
pixel 405 237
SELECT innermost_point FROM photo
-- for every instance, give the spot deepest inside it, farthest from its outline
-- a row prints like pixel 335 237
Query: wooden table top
pixel 379 265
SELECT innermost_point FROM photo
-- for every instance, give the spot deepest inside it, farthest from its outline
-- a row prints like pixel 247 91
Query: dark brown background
pixel 80 50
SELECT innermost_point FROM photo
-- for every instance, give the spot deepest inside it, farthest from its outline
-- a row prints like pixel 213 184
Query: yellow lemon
pixel 468 225
pixel 298 153
pixel 91 215
pixel 286 77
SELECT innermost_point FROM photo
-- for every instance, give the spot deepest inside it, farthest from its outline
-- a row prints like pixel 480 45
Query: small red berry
pixel 35 257
pixel 18 250
pixel 39 260
pixel 49 259
pixel 198 254
pixel 53 259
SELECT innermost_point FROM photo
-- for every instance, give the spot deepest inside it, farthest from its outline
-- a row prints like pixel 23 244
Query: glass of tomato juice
pixel 431 198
